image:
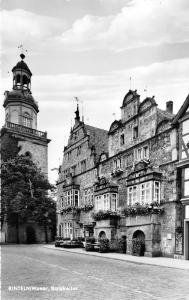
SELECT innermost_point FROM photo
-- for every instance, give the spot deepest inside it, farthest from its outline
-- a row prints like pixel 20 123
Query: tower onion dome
pixel 21 85
pixel 22 65
pixel 21 75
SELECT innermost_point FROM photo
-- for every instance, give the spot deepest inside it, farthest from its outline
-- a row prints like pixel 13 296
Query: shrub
pixel 103 215
pixel 143 209
pixel 89 247
pixel 90 239
pixel 114 246
pixel 104 245
pixel 138 247
pixel 122 245
pixel 81 239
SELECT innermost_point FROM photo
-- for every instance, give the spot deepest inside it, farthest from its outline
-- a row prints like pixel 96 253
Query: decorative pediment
pixel 131 95
pixel 147 103
pixel 140 166
pixel 114 126
pixel 104 184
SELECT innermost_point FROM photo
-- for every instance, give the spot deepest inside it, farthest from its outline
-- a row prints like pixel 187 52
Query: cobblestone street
pixel 76 276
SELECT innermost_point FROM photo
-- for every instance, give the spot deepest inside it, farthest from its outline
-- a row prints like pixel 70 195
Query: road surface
pixel 35 272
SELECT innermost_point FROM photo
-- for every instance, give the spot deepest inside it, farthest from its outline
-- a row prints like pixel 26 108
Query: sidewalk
pixel 156 261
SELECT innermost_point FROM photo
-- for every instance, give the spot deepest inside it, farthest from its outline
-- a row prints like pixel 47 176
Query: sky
pixel 90 49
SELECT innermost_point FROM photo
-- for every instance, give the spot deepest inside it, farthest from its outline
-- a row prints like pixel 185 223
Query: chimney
pixel 169 107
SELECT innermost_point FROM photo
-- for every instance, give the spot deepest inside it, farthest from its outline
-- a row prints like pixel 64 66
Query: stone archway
pixel 138 243
pixel 102 235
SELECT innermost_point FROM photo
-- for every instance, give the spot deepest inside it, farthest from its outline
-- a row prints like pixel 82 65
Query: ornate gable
pixel 114 126
pixel 131 95
pixel 147 103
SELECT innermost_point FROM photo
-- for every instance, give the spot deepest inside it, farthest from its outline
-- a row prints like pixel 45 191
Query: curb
pixel 120 259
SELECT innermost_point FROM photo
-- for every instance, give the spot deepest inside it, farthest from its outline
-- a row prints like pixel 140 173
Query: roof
pixel 181 111
pixel 22 65
pixel 20 95
pixel 163 115
pixel 97 137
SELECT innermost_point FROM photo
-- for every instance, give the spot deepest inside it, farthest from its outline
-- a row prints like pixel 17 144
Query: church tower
pixel 20 127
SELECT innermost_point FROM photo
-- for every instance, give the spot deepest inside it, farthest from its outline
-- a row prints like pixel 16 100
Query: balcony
pixel 26 130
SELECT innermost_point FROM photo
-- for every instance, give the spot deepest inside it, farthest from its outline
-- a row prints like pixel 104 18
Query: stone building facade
pixel 19 136
pixel 129 169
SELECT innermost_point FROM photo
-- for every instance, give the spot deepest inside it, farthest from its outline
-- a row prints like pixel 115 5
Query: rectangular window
pixel 115 164
pixel 145 192
pixel 135 132
pixel 140 154
pixel 73 170
pixel 78 150
pixel 132 195
pixel 156 191
pixel 186 182
pixel 76 202
pixel 113 202
pixel 83 166
pixel 122 139
pixel 146 152
pixel 69 155
pixel 85 196
pixel 119 163
pixel 106 202
pixel 67 229
pixel 62 201
pixel 71 198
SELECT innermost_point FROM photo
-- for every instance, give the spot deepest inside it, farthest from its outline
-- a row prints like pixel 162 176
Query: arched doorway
pixel 138 243
pixel 102 235
pixel 30 235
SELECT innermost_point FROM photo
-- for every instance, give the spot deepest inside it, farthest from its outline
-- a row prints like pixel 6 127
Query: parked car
pixel 59 241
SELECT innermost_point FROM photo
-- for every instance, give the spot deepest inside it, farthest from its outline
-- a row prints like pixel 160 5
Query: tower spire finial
pixel 77 116
pixel 22 55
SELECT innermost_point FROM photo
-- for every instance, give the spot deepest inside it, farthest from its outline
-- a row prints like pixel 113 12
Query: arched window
pixel 18 78
pixel 26 120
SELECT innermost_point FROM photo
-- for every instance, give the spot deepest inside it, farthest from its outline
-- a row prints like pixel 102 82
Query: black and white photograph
pixel 94 149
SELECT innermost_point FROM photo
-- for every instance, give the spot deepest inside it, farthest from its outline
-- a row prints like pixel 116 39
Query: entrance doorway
pixel 30 235
pixel 138 243
pixel 102 235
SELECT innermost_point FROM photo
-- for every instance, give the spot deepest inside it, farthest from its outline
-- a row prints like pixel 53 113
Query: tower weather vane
pixel 130 81
pixel 146 90
pixel 21 47
pixel 76 99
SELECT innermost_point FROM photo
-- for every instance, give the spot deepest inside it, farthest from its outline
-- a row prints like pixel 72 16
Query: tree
pixel 25 194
